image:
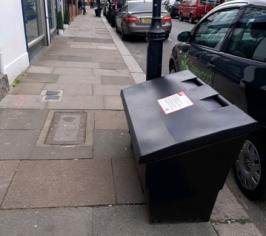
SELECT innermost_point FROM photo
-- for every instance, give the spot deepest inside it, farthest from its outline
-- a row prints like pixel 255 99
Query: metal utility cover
pixel 67 128
pixel 52 95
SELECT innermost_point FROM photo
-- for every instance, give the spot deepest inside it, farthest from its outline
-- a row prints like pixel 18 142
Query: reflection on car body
pixel 227 49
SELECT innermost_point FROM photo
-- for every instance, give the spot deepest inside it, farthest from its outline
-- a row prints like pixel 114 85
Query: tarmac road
pixel 138 46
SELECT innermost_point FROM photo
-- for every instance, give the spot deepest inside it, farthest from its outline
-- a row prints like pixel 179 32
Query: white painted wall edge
pixel 16 67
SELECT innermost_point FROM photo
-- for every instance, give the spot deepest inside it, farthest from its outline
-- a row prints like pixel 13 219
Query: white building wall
pixel 14 59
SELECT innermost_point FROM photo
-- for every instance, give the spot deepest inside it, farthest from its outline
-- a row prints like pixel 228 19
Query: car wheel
pixel 123 35
pixel 181 18
pixel 250 170
pixel 191 19
pixel 172 68
pixel 112 23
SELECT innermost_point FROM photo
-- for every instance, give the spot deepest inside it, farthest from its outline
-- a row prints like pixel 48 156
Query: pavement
pixel 66 164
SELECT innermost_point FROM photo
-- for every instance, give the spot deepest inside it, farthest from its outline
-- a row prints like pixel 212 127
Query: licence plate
pixel 146 21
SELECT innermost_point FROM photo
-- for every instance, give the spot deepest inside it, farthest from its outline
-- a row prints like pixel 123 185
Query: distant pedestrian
pixel 91 3
pixel 82 6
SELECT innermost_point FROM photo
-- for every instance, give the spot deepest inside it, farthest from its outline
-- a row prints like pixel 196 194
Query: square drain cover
pixel 67 128
pixel 52 95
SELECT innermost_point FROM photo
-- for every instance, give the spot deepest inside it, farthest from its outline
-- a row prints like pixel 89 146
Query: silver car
pixel 134 17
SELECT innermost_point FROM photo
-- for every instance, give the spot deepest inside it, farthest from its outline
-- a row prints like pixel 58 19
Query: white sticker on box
pixel 175 102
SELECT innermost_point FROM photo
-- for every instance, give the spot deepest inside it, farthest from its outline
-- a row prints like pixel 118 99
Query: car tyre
pixel 172 68
pixel 191 19
pixel 123 35
pixel 250 169
pixel 181 18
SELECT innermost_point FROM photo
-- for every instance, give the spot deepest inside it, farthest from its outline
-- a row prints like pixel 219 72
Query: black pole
pixel 156 37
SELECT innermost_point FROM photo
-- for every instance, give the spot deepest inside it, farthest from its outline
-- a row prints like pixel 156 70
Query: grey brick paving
pixel 116 144
pixel 109 80
pixel 60 152
pixel 126 181
pixel 80 79
pixel 28 88
pixel 17 144
pixel 22 102
pixel 133 220
pixel 110 120
pixel 61 183
pixel 47 222
pixel 78 102
pixel 113 103
pixel 22 119
pixel 246 229
pixel 40 78
pixel 73 89
pixel 7 170
pixel 107 89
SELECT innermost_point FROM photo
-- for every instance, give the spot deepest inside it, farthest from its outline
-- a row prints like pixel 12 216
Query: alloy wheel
pixel 248 166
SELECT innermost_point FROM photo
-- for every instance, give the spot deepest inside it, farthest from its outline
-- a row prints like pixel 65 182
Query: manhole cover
pixel 67 128
pixel 52 95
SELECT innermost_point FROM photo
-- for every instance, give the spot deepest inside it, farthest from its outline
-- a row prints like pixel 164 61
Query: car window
pixel 213 29
pixel 248 39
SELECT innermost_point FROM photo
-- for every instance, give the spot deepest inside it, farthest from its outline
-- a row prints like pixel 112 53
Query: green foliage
pixel 66 17
pixel 59 20
pixel 15 83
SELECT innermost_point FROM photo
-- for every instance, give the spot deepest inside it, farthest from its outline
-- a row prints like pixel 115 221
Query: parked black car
pixel 227 49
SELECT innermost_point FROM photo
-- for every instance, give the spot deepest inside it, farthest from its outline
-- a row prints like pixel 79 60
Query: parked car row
pixel 134 17
pixel 227 49
pixel 192 10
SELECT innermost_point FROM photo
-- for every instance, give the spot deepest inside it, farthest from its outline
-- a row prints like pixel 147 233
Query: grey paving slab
pixel 133 221
pixel 126 181
pixel 73 89
pixel 109 80
pixel 72 71
pixel 46 222
pixel 110 120
pixel 113 66
pixel 115 73
pixel 54 152
pixel 78 103
pixel 56 63
pixel 82 64
pixel 17 144
pixel 67 58
pixel 40 69
pixel 22 102
pixel 96 40
pixel 247 229
pixel 227 207
pixel 61 183
pixel 99 89
pixel 7 170
pixel 22 119
pixel 113 103
pixel 28 88
pixel 80 80
pixel 116 144
pixel 40 78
